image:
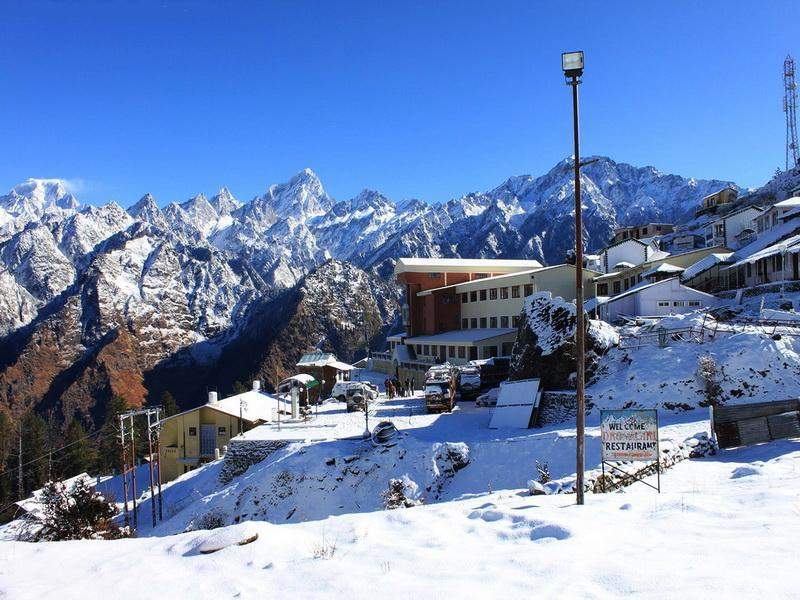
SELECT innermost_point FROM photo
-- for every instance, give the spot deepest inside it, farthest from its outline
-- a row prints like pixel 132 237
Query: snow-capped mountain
pixel 95 298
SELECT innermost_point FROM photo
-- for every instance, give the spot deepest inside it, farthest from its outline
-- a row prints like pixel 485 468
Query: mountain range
pixel 102 301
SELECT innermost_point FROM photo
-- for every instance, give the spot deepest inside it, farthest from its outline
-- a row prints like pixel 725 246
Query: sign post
pixel 628 435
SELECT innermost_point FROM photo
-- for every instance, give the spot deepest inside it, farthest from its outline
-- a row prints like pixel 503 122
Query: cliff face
pixel 545 345
pixel 330 310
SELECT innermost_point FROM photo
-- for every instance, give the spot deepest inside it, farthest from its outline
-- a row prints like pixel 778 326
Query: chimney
pixel 256 385
pixel 212 397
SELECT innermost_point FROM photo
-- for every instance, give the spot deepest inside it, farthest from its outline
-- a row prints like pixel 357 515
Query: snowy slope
pixel 719 524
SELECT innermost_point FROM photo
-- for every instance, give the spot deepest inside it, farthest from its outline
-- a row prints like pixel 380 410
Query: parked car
pixel 494 371
pixel 358 394
pixel 339 391
pixel 489 398
pixel 440 388
pixel 469 382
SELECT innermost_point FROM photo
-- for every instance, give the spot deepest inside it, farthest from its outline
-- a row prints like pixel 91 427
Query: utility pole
pixel 572 64
pixel 20 481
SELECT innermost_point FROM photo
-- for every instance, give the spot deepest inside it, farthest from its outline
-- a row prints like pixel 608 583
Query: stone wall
pixel 556 407
pixel 242 454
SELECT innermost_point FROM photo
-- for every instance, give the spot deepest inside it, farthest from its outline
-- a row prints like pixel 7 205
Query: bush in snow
pixel 709 374
pixel 75 513
pixel 395 496
pixel 213 519
pixel 544 472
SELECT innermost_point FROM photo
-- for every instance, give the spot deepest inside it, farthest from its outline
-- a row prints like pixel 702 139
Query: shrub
pixel 75 513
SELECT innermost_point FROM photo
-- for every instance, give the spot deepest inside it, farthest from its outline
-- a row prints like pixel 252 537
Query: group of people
pixel 397 388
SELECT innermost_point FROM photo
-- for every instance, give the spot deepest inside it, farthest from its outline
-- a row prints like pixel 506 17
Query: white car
pixel 339 391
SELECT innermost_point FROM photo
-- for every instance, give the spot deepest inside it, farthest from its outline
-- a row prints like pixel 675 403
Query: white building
pixel 774 215
pixel 629 253
pixel 733 230
pixel 666 297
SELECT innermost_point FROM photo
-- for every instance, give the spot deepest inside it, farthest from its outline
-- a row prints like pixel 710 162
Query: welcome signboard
pixel 629 435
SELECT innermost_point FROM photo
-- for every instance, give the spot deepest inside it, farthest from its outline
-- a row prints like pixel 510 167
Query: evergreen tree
pixel 80 454
pixel 7 473
pixel 239 387
pixel 108 444
pixel 169 405
pixel 35 449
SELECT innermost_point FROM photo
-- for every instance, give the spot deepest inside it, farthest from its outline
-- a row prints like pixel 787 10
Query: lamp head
pixel 572 63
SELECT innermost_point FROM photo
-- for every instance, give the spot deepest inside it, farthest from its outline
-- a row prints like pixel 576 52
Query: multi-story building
pixel 776 214
pixel 475 314
pixel 621 280
pixel 647 230
pixel 711 203
pixel 735 229
pixel 628 253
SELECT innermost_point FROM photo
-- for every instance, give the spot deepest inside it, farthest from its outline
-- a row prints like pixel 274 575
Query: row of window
pixel 620 286
pixel 452 351
pixel 492 293
pixel 676 303
pixel 491 322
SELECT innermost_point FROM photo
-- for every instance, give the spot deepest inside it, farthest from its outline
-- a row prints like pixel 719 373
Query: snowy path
pixel 721 524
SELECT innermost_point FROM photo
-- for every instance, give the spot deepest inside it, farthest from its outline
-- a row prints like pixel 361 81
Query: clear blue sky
pixel 428 100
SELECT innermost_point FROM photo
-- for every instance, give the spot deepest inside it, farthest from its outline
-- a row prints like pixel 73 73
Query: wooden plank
pixel 753 431
pixel 727 435
pixel 737 412
pixel 784 425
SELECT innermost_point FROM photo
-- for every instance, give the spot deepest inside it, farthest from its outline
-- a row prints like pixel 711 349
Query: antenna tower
pixel 790 108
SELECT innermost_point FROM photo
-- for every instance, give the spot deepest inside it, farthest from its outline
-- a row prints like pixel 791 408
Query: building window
pixel 464 298
pixel 504 322
pixel 473 323
pixel 483 322
pixel 464 323
pixel 679 303
pixel 481 275
pixel 504 293
pixel 483 295
pixel 419 348
pixel 663 303
pixel 493 294
pixel 693 303
pixel 451 351
pixel 515 291
pixel 515 321
pixel 528 289
pixel 192 431
pixel 749 270
pixel 616 287
pixel 602 289
pixel 473 296
pixel 462 353
pixel 434 275
pixel 426 350
pixel 222 430
pixel 493 322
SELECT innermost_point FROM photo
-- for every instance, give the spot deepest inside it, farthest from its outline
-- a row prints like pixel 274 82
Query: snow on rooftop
pixel 705 264
pixel 789 202
pixel 662 268
pixel 462 336
pixel 477 264
pixel 767 238
pixel 789 245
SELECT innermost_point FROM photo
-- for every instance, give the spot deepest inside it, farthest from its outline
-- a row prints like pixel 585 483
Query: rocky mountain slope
pixel 95 300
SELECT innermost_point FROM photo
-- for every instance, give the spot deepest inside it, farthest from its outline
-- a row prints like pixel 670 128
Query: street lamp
pixel 572 64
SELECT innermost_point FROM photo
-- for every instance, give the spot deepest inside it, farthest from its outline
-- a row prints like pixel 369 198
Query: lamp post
pixel 572 65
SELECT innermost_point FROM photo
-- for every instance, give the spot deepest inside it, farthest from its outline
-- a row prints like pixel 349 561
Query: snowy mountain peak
pixel 224 202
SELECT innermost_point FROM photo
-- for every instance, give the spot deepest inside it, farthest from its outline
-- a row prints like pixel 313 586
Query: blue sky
pixel 429 100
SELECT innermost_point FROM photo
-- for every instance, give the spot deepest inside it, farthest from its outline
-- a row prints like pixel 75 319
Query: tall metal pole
pixel 579 329
pixel 150 466
pixel 124 466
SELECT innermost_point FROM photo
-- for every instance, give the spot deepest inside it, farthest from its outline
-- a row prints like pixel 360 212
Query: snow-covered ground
pixel 727 524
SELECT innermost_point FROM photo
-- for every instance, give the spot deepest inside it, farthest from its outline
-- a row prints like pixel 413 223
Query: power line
pixel 11 470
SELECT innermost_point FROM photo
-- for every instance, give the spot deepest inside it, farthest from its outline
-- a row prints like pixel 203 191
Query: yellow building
pixel 199 435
